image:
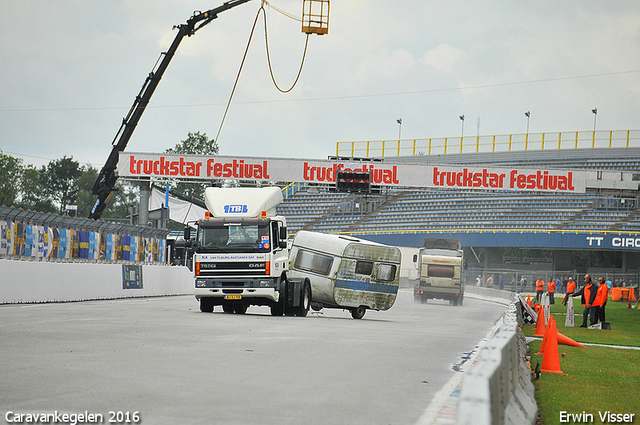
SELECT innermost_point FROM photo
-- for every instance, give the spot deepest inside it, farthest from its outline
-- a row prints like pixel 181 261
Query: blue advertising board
pixel 556 240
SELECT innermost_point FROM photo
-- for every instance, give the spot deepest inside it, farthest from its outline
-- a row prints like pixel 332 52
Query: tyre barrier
pixel 498 390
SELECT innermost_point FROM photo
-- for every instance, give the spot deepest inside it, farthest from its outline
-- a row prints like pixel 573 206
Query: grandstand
pixel 400 210
pixel 404 216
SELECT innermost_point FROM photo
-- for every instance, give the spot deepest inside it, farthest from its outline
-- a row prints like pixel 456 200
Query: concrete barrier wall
pixel 44 281
pixel 497 295
pixel 498 390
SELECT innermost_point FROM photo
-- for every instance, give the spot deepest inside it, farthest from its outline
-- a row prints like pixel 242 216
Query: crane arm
pixel 104 185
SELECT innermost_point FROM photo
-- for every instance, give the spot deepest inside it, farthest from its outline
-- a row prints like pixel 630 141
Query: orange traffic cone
pixel 551 359
pixel 545 339
pixel 565 340
pixel 540 325
pixel 529 300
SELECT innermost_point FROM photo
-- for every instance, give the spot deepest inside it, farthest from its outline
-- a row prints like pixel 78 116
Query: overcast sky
pixel 70 70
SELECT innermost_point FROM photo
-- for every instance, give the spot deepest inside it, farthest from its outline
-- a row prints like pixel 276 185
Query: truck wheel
pixel 206 305
pixel 240 308
pixel 358 313
pixel 227 307
pixel 305 301
pixel 277 309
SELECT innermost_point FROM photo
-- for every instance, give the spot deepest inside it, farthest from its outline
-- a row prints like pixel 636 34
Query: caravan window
pixel 313 262
pixel 386 272
pixel 364 267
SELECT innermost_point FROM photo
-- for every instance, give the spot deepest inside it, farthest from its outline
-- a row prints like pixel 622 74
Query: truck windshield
pixel 234 238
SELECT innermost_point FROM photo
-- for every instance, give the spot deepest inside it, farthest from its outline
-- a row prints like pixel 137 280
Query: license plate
pixel 233 297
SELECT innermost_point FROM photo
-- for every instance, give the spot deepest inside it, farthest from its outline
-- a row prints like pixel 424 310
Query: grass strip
pixel 595 379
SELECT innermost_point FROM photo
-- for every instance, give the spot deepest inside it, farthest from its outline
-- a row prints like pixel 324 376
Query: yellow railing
pixel 495 143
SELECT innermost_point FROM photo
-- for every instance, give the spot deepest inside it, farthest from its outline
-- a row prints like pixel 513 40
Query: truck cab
pixel 439 263
pixel 240 256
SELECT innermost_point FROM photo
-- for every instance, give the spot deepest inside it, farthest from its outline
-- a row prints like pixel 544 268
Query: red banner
pixel 135 165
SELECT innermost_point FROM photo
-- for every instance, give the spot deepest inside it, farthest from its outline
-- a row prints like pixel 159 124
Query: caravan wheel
pixel 358 313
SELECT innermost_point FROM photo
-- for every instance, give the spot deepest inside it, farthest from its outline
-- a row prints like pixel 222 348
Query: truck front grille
pixel 248 268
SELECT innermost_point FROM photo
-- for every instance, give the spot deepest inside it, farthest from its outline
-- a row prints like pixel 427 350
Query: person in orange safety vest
pixel 602 295
pixel 551 289
pixel 571 288
pixel 539 289
pixel 587 297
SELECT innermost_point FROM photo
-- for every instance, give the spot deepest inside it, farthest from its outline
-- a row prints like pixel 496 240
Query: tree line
pixel 63 182
pixel 51 188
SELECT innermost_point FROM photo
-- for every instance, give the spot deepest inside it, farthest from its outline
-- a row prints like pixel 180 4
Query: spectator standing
pixel 551 290
pixel 571 288
pixel 602 296
pixel 587 296
pixel 559 286
pixel 523 284
pixel 513 284
pixel 539 289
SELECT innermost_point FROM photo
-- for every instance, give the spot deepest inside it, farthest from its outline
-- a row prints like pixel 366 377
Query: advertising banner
pixel 6 238
pixel 65 243
pixel 19 238
pixel 110 247
pixel 126 248
pixel 29 242
pixel 131 276
pixel 136 165
pixel 55 243
pixel 83 240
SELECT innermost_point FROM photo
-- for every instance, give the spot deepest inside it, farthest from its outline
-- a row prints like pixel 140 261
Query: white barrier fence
pixel 45 281
pixel 498 390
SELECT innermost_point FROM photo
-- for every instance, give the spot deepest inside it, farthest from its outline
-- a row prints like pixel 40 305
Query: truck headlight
pixel 201 283
pixel 265 283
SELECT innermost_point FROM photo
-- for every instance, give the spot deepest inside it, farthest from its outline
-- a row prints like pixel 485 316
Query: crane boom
pixel 104 185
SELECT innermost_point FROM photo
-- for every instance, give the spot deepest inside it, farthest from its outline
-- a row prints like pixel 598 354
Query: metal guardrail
pixel 491 143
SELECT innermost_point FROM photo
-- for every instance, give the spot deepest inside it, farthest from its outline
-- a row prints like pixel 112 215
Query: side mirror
pixel 187 233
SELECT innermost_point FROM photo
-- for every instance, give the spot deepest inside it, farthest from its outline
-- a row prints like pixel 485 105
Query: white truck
pixel 439 263
pixel 346 272
pixel 240 255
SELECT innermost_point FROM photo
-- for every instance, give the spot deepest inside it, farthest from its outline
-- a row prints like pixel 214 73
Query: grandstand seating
pixel 460 209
